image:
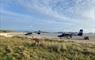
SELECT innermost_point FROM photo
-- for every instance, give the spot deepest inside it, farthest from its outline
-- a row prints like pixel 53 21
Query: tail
pixel 80 32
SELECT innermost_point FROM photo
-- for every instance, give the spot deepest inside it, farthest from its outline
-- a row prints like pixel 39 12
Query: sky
pixel 47 15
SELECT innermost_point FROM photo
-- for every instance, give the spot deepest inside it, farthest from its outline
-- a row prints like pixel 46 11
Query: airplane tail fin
pixel 80 32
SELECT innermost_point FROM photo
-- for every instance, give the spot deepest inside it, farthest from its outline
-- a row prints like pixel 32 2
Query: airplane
pixel 69 35
pixel 39 32
pixel 29 33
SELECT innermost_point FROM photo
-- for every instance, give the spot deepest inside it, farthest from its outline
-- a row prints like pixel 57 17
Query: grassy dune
pixel 21 48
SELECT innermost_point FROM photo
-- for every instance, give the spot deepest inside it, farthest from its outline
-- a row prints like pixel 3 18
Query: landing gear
pixel 86 38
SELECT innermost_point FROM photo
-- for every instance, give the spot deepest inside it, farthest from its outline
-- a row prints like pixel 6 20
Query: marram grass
pixel 21 48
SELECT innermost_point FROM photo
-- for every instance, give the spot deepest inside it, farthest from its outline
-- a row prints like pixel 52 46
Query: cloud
pixel 90 14
pixel 58 13
pixel 79 8
pixel 10 13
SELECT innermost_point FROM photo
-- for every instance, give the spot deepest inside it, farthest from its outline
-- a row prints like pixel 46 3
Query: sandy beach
pixel 51 36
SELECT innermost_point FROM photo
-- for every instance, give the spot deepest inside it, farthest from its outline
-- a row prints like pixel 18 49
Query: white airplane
pixel 70 35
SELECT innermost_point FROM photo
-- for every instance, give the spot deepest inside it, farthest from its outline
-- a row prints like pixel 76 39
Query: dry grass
pixel 22 48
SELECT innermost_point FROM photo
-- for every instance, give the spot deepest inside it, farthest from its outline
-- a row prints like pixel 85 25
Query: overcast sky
pixel 47 15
